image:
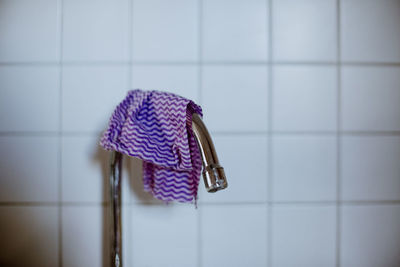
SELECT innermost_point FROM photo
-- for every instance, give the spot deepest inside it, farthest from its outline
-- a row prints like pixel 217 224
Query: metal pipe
pixel 213 175
pixel 115 210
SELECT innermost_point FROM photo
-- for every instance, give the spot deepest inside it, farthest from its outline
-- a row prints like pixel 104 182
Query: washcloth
pixel 156 127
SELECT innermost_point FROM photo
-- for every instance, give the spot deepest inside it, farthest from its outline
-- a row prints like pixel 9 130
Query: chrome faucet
pixel 213 175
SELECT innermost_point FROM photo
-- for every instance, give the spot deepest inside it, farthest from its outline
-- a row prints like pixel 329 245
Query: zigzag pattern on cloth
pixel 157 128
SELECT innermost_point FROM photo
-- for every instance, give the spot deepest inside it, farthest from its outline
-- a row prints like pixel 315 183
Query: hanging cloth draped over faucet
pixel 157 128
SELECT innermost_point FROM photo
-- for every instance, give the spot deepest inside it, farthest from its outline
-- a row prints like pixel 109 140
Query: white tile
pixel 304 168
pixel 234 98
pixel 179 79
pixel 96 30
pixel 370 98
pixel 29 30
pixel 370 30
pixel 126 241
pixel 84 170
pixel 85 239
pixel 234 236
pixel 244 159
pixel 165 30
pixel 90 95
pixel 303 236
pixel 29 236
pixel 304 98
pixel 370 168
pixel 164 235
pixel 304 30
pixel 370 236
pixel 29 98
pixel 28 169
pixel 235 30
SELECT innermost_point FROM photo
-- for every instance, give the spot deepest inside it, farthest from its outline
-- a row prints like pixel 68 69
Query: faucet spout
pixel 213 172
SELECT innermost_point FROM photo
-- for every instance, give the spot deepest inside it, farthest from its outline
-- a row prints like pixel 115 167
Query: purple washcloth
pixel 157 128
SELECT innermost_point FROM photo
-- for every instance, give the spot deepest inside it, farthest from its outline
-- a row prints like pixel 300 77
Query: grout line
pixel 341 202
pixel 221 203
pixel 65 63
pixel 29 204
pixel 230 203
pixel 269 5
pixel 83 133
pixel 338 137
pixel 199 236
pixel 233 62
pixel 301 63
pixel 369 133
pixel 130 41
pixel 361 202
pixel 369 64
pixel 238 133
pixel 200 62
pixel 368 202
pixel 125 206
pixel 97 62
pixel 304 203
pixel 31 134
pixel 29 63
pixel 200 84
pixel 84 204
pixel 59 134
pixel 220 133
pixel 51 204
pixel 200 100
pixel 303 132
pixel 200 51
pixel 47 133
pixel 59 167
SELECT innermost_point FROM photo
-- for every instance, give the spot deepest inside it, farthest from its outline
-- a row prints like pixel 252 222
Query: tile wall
pixel 302 98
